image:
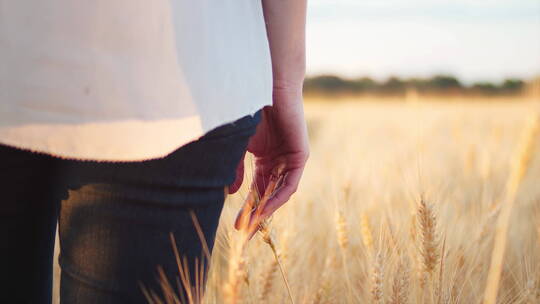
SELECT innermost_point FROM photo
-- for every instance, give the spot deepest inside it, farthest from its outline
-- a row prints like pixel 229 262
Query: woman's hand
pixel 281 139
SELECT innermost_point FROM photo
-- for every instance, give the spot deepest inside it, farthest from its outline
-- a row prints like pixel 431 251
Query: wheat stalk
pixel 256 206
pixel 441 272
pixel 520 165
pixel 268 239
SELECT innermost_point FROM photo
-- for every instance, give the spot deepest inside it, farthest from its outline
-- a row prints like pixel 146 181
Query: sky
pixel 479 40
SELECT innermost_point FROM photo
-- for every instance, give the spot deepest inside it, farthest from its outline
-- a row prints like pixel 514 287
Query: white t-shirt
pixel 128 80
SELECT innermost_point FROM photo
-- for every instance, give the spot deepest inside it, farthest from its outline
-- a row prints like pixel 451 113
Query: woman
pixel 120 119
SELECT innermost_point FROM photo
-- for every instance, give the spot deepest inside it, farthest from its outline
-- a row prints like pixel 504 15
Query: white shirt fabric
pixel 127 80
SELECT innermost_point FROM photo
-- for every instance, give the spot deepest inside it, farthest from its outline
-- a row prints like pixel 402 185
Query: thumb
pixel 239 176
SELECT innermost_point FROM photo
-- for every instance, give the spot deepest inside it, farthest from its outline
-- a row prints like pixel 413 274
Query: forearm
pixel 285 25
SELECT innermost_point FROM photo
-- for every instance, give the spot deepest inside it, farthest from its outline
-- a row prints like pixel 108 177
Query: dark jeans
pixel 115 219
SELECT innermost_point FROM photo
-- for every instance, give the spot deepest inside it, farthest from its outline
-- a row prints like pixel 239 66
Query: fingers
pixel 249 218
pixel 254 203
pixel 283 193
pixel 239 177
pixel 279 188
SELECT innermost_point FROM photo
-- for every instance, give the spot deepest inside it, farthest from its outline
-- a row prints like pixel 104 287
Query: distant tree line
pixel 438 84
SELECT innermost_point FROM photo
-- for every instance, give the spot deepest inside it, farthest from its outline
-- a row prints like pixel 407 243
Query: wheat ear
pixel 400 287
pixel 428 235
pixel 377 279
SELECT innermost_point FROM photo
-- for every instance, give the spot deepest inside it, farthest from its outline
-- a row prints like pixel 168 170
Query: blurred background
pixel 486 47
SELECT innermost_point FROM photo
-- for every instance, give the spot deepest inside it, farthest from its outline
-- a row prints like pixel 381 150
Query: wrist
pixel 288 84
pixel 287 96
pixel 289 74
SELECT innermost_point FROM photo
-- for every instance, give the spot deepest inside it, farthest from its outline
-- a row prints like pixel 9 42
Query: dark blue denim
pixel 114 218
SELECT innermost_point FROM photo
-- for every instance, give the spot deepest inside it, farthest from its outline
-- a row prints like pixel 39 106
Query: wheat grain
pixel 428 234
pixel 367 234
pixel 342 231
pixel 377 280
pixel 400 286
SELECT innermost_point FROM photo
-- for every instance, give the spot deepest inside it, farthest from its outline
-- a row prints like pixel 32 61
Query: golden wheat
pixel 437 249
pixel 519 168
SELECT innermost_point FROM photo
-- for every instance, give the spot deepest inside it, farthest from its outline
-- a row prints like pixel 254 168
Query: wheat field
pixel 400 203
